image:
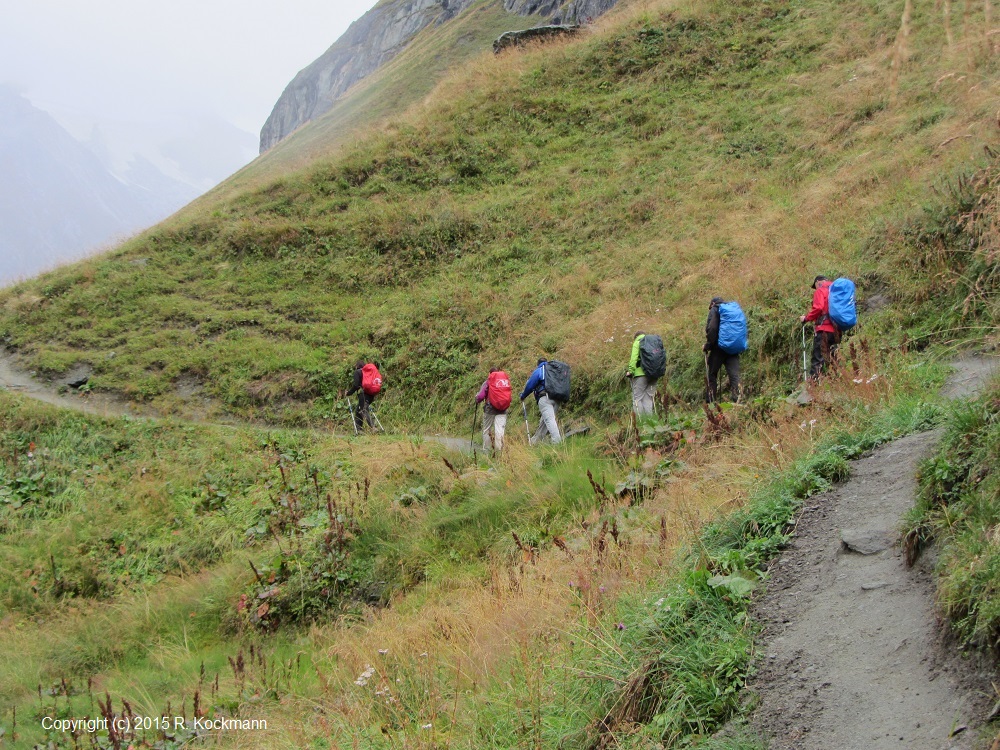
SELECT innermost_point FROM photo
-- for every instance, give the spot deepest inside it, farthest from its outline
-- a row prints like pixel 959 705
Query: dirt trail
pixel 853 655
pixel 18 381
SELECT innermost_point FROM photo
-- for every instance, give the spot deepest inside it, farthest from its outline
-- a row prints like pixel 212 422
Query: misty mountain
pixel 58 201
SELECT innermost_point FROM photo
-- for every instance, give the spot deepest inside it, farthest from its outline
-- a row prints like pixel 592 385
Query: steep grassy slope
pixel 549 202
pixel 472 593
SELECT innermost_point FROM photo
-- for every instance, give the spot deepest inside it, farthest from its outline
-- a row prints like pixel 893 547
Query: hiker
pixel 725 341
pixel 496 392
pixel 547 424
pixel 367 384
pixel 646 366
pixel 825 336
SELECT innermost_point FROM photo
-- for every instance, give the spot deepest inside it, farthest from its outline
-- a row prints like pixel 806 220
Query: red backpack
pixel 498 391
pixel 371 379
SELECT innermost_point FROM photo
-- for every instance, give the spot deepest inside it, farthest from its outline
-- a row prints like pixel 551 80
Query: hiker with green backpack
pixel 646 366
pixel 725 341
pixel 549 383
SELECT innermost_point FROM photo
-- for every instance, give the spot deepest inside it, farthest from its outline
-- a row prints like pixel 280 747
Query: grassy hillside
pixel 404 81
pixel 385 592
pixel 550 202
pixel 302 579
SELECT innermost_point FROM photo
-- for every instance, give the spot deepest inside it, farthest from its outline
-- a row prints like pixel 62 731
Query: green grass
pixel 958 513
pixel 548 202
pixel 552 201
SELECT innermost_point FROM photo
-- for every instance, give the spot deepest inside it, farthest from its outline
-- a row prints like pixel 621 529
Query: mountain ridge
pixel 378 37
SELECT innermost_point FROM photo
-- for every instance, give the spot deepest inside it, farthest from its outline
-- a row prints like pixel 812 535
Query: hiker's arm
pixel 633 362
pixel 357 383
pixel 530 385
pixel 481 396
pixel 818 308
pixel 712 327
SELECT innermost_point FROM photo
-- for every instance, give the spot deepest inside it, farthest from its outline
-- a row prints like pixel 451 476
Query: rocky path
pixel 852 655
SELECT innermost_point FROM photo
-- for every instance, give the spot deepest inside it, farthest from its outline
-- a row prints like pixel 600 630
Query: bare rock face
pixel 377 37
pixel 559 12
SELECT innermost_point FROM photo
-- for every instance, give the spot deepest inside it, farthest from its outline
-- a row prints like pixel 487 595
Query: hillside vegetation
pixel 549 202
pixel 387 592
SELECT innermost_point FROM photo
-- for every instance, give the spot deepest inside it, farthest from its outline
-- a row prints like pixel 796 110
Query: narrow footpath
pixel 854 655
pixel 16 380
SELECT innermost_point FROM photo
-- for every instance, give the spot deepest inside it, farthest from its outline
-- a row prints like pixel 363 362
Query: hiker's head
pixel 494 369
pixel 715 301
pixel 359 364
pixel 542 361
pixel 638 334
pixel 819 279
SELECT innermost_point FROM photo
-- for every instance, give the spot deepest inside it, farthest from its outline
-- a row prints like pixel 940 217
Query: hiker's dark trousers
pixel 824 352
pixel 363 415
pixel 716 359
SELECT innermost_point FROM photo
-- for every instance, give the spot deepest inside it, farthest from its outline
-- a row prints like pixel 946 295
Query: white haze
pixel 182 85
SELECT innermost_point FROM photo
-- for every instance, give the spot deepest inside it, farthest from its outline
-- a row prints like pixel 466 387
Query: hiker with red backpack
pixel 725 341
pixel 646 366
pixel 367 384
pixel 496 392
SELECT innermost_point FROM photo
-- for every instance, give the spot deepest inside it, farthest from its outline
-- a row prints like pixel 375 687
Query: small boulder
pixel 76 377
pixel 517 38
pixel 866 542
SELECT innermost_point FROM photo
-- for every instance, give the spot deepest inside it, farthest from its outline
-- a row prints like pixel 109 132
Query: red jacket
pixel 821 308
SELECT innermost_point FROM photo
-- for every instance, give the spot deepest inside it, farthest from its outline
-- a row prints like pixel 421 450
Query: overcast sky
pixel 140 60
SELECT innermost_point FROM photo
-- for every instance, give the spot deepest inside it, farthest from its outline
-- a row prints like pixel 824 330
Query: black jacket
pixel 712 327
pixel 357 383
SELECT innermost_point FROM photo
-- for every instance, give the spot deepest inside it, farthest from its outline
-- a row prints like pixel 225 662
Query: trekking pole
pixel 805 366
pixel 709 396
pixel 377 420
pixel 351 409
pixel 472 437
pixel 527 429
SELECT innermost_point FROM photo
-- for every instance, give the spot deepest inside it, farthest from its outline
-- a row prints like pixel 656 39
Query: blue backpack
pixel 732 328
pixel 843 310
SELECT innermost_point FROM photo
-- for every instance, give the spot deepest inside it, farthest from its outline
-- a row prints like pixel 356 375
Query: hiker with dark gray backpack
pixel 549 383
pixel 646 366
pixel 725 341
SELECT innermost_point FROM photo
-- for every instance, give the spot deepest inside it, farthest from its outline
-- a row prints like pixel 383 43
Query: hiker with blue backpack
pixel 549 383
pixel 833 313
pixel 646 366
pixel 725 341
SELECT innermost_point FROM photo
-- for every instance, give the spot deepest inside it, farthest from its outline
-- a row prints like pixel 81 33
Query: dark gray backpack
pixel 652 357
pixel 557 381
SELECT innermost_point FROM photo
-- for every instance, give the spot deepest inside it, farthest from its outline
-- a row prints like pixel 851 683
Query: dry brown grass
pixel 456 640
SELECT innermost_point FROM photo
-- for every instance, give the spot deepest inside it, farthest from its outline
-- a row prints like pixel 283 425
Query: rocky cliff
pixel 380 35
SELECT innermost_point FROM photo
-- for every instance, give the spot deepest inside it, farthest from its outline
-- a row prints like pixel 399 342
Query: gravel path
pixel 853 656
